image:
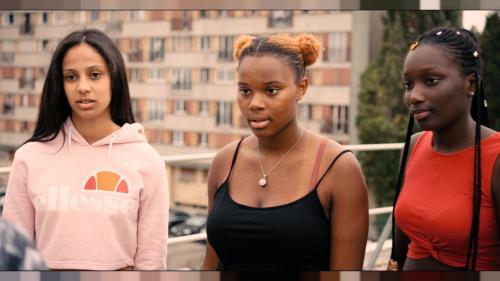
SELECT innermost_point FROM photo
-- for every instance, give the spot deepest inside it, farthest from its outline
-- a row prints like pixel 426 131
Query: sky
pixel 475 18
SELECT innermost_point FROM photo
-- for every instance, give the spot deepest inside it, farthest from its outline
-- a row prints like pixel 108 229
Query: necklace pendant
pixel 263 181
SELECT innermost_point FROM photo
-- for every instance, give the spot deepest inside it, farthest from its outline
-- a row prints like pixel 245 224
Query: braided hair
pixel 463 46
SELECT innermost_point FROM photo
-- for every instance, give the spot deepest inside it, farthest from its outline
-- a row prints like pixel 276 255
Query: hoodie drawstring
pixel 69 139
pixel 110 146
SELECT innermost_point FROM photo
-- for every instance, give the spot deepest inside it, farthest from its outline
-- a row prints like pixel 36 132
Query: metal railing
pixel 381 245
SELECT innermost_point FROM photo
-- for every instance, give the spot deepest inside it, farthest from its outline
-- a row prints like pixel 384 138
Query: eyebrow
pixel 90 67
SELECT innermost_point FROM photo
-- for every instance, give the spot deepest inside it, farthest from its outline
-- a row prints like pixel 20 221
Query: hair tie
pixel 414 46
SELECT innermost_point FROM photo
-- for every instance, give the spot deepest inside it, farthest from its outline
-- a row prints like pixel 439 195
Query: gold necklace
pixel 263 180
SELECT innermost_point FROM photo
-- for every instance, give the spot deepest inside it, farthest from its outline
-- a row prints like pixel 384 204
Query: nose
pixel 414 96
pixel 257 101
pixel 83 85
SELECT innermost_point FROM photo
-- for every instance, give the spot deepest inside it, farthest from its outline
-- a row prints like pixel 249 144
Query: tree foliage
pixel 490 41
pixel 382 116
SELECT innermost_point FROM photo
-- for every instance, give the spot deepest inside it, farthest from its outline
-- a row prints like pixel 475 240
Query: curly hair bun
pixel 309 46
pixel 241 43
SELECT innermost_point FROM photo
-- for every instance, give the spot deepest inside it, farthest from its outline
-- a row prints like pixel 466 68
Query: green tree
pixel 382 116
pixel 490 40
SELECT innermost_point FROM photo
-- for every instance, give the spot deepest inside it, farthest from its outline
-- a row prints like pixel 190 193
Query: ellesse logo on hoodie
pixel 107 181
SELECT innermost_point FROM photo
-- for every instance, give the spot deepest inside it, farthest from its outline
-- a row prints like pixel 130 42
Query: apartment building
pixel 182 75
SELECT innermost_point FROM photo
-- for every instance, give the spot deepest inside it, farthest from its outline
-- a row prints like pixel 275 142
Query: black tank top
pixel 292 236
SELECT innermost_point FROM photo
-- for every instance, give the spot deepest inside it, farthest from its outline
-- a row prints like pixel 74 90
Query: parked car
pixel 176 217
pixel 192 225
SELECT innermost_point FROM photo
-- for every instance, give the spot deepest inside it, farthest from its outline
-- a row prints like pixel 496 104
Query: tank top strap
pixel 330 166
pixel 317 162
pixel 234 159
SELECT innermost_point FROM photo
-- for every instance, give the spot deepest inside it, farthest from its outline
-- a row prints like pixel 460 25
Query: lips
pixel 85 103
pixel 259 123
pixel 420 113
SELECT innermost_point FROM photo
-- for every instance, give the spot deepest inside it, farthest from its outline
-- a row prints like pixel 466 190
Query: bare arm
pixel 218 172
pixel 349 214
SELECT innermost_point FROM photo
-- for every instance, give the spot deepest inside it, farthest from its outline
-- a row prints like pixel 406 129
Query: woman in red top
pixel 447 215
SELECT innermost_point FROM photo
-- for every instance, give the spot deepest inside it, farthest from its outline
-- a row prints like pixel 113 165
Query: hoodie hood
pixel 128 133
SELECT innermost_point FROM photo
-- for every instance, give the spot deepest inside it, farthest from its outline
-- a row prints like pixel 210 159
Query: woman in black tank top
pixel 284 197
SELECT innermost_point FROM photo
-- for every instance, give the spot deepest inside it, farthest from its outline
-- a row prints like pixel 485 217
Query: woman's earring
pixel 471 93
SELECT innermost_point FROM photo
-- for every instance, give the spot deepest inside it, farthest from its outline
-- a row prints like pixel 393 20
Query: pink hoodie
pixel 102 206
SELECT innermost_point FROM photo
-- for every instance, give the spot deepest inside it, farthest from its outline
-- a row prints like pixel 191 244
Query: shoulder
pixel 339 162
pixel 415 138
pixel 221 164
pixel 225 154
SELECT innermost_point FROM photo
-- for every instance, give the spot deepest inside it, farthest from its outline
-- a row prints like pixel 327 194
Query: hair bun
pixel 241 43
pixel 309 46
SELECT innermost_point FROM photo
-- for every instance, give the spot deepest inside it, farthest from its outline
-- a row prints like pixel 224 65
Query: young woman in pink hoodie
pixel 87 187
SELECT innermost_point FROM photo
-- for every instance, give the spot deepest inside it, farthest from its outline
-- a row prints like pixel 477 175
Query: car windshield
pixel 196 221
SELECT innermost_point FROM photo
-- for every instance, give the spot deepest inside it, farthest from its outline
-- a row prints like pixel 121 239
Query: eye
pixel 431 81
pixel 244 91
pixel 272 91
pixel 407 85
pixel 70 77
pixel 95 75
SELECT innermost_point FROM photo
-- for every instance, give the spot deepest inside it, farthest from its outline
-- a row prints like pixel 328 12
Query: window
pixel 225 48
pixel 133 105
pixel 157 50
pixel 11 19
pixel 225 76
pixel 9 104
pixel 45 44
pixel 135 75
pixel 280 19
pixel 186 20
pixel 305 112
pixel 204 75
pixel 181 43
pixel 27 27
pixel 25 100
pixel 180 107
pixel 335 119
pixel 156 109
pixel 27 80
pixel 94 16
pixel 181 79
pixel 203 107
pixel 205 43
pixel 224 113
pixel 45 18
pixel 203 139
pixel 337 47
pixel 178 138
pixel 156 74
pixel 135 54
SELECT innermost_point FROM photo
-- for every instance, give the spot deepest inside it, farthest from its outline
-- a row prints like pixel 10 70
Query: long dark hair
pixel 54 108
pixel 464 48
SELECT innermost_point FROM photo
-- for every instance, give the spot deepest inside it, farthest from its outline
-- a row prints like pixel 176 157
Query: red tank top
pixel 435 205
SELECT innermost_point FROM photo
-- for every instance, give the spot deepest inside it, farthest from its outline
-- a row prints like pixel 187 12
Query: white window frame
pixel 180 107
pixel 178 138
pixel 203 139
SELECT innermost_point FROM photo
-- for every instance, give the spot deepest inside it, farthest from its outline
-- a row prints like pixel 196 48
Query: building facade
pixel 183 77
